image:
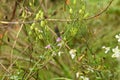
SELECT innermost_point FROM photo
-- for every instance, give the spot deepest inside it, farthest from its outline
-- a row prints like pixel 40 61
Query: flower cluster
pixel 107 49
pixel 59 44
pixel 72 53
pixel 81 77
pixel 84 78
pixel 118 37
pixel 116 50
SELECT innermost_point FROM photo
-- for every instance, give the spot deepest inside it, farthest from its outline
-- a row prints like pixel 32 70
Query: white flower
pixel 14 77
pixel 118 37
pixel 59 53
pixel 77 75
pixel 40 31
pixel 116 55
pixel 116 52
pixel 107 49
pixel 53 53
pixel 72 53
pixel 90 69
pixel 84 78
pixel 60 44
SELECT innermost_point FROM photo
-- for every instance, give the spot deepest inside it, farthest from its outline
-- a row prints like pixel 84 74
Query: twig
pixel 56 20
pixel 36 21
pixel 14 46
pixel 14 10
pixel 98 14
pixel 4 67
pixel 12 64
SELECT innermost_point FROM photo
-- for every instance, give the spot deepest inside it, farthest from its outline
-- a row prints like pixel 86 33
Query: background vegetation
pixel 58 39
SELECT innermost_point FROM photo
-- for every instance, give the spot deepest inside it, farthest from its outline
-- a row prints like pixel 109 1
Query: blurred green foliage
pixel 32 61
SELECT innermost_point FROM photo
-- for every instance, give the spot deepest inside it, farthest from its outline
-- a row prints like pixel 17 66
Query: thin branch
pixel 4 67
pixel 56 20
pixel 14 10
pixel 98 14
pixel 12 64
pixel 36 21
pixel 14 47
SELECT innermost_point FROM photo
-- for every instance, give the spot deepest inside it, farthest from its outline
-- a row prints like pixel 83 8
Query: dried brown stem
pixel 98 14
pixel 58 20
pixel 14 11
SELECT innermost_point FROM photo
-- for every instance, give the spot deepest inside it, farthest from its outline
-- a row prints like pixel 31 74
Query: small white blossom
pixel 84 78
pixel 116 55
pixel 90 69
pixel 72 53
pixel 60 44
pixel 107 49
pixel 116 52
pixel 53 53
pixel 59 53
pixel 14 77
pixel 77 75
pixel 40 31
pixel 118 37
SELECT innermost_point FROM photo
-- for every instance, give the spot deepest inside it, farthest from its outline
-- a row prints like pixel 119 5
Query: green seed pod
pixel 80 11
pixel 46 28
pixel 36 29
pixel 42 15
pixel 30 4
pixel 32 26
pixel 42 23
pixel 36 39
pixel 30 32
pixel 70 11
pixel 40 36
pixel 38 15
pixel 23 14
pixel 64 38
pixel 83 7
pixel 73 31
pixel 86 15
